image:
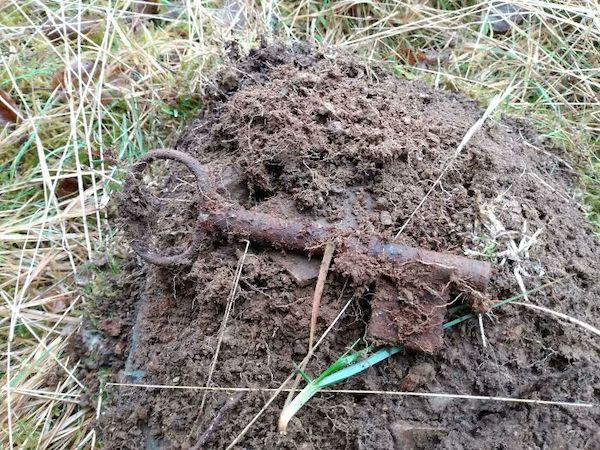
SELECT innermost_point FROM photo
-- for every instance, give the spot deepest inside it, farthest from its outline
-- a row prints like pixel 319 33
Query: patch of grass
pixel 75 134
pixel 339 367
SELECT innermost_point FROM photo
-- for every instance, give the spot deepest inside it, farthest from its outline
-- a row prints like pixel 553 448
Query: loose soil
pixel 297 134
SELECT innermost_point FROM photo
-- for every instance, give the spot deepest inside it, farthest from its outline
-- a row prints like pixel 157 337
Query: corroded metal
pixel 300 235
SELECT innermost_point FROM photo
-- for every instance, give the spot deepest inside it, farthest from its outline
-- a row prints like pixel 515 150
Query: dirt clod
pixel 418 375
pixel 411 436
pixel 408 315
pixel 326 138
pixel 111 327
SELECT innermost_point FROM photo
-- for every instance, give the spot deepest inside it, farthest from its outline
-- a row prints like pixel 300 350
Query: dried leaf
pixel 117 86
pixel 503 16
pixel 67 186
pixel 146 6
pixel 431 58
pixel 412 57
pixel 79 73
pixel 56 29
pixel 9 113
pixel 423 59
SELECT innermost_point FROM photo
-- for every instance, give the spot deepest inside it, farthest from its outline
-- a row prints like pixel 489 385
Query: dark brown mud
pixel 299 134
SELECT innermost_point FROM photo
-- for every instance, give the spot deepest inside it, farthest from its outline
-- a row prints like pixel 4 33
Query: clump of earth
pixel 301 134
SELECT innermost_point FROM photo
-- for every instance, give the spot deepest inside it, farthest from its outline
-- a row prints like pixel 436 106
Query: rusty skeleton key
pixel 405 311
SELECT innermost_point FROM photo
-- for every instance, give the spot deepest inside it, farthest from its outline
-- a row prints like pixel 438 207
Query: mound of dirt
pixel 300 134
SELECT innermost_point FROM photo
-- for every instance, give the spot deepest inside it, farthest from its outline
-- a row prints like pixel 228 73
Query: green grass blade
pixel 355 369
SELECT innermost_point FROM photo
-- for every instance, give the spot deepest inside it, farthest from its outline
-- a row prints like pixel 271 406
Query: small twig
pixel 323 271
pixel 231 298
pixel 214 424
pixel 581 323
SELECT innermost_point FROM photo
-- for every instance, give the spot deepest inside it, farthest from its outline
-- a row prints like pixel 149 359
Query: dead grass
pixel 136 76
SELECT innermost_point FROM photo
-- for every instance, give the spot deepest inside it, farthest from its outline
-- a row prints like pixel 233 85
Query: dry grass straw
pixel 229 307
pixel 61 160
pixel 366 392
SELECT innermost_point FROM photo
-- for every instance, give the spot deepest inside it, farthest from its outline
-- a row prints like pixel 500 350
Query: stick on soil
pixel 216 422
pixel 323 271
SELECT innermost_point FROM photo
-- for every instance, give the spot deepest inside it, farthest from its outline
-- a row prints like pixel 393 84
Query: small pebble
pixel 299 348
pixel 335 127
pixel 385 218
pixel 504 16
pixel 381 203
